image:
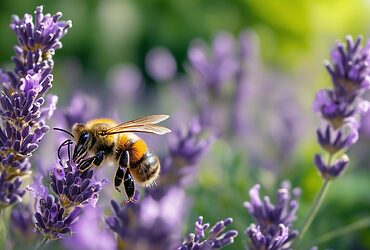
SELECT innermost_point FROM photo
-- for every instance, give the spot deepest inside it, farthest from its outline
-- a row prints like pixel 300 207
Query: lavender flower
pixel 21 226
pixel 216 239
pixel 160 64
pixel 23 104
pixel 273 222
pixel 52 220
pixel 74 190
pixel 150 224
pixel 211 70
pixel 342 106
pixel 37 41
pixel 185 151
pixel 73 187
pixel 90 234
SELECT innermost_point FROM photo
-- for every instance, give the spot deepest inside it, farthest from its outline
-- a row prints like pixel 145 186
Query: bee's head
pixel 83 140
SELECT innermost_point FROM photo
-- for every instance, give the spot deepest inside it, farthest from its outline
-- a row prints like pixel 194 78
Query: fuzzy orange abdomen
pixel 133 144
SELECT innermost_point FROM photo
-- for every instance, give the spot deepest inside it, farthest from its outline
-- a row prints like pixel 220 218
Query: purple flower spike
pixel 350 69
pixel 24 106
pixel 10 192
pixel 52 220
pixel 150 224
pixel 187 144
pixel 38 39
pixel 262 241
pixel 216 239
pixel 343 106
pixel 73 187
pixel 332 171
pixel 272 221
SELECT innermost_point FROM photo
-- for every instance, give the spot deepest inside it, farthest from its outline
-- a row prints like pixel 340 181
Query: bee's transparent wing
pixel 146 125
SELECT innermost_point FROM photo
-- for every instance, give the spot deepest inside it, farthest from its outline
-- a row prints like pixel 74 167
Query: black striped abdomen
pixel 147 169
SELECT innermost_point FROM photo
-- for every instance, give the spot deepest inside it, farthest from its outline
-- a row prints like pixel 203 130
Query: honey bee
pixel 106 141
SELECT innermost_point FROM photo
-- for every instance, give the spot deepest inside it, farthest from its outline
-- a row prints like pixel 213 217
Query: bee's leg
pixel 129 184
pixel 96 159
pixel 124 161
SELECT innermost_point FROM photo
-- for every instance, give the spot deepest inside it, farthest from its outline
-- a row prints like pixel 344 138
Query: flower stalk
pixel 314 209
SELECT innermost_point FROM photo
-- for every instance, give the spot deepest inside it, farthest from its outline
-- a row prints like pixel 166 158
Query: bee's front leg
pixel 97 159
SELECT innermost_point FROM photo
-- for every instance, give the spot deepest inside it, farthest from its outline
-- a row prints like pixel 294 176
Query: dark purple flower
pixel 52 220
pixel 10 191
pixel 24 106
pixel 73 187
pixel 334 141
pixel 150 224
pixel 329 172
pixel 272 221
pixel 216 238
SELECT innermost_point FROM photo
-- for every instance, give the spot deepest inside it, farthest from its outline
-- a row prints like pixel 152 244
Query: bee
pixel 103 141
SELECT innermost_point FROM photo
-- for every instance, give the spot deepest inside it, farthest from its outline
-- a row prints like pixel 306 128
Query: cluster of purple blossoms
pixel 216 239
pixel 273 223
pixel 73 190
pixel 185 152
pixel 24 105
pixel 342 106
pixel 213 72
pixel 150 223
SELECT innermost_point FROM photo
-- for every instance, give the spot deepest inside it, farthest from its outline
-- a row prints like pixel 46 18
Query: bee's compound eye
pixel 84 138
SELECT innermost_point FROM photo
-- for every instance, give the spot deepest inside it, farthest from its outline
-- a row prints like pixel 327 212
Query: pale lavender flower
pixel 124 81
pixel 90 232
pixel 82 108
pixel 186 149
pixel 211 70
pixel 273 223
pixel 150 224
pixel 23 104
pixel 20 219
pixel 160 64
pixel 343 105
pixel 216 238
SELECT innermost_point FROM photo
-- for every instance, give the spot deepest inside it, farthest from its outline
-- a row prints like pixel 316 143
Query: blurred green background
pixel 294 37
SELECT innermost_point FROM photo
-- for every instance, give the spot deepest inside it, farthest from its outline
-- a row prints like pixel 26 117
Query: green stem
pixel 4 221
pixel 314 209
pixel 43 243
pixel 363 223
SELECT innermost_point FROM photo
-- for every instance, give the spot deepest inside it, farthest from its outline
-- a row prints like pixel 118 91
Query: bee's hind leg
pixel 129 187
pixel 124 160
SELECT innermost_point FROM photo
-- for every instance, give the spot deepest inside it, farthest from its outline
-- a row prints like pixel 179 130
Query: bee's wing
pixel 146 125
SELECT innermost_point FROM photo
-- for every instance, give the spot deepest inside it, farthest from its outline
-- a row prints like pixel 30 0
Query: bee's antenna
pixel 65 131
pixel 67 142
